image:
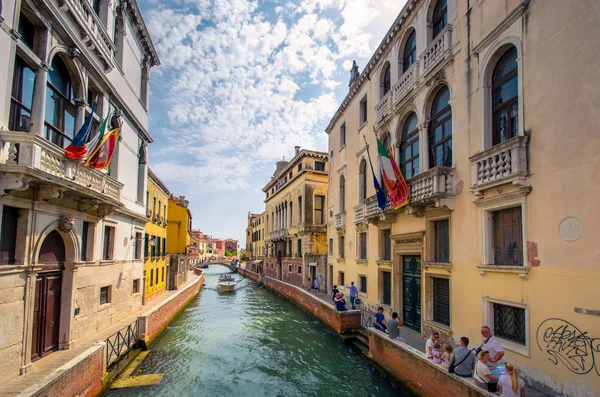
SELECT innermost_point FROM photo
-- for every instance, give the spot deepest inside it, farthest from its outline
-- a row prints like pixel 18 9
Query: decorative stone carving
pixel 66 223
pixel 10 183
pixel 105 210
pixel 88 205
pixel 47 193
pixel 74 52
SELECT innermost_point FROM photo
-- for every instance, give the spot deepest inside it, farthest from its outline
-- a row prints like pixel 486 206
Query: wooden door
pixel 508 237
pixel 46 314
pixel 411 291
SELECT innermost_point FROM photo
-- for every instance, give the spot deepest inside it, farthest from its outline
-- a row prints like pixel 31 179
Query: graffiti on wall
pixel 567 345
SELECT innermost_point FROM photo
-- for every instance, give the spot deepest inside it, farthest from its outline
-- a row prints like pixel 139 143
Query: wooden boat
pixel 226 285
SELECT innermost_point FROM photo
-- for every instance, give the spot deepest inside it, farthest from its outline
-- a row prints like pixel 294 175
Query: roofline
pixel 292 162
pixel 142 32
pixel 387 40
pixel 158 182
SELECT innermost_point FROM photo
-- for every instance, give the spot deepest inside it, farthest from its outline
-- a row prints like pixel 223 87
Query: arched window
pixel 440 17
pixel 386 82
pixel 410 51
pixel 60 105
pixel 342 194
pixel 505 98
pixel 409 147
pixel 362 182
pixel 440 130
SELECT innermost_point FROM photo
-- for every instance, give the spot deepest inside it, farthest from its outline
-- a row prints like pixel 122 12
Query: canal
pixel 254 343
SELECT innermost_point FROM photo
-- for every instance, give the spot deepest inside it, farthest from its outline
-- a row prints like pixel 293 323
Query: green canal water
pixel 253 343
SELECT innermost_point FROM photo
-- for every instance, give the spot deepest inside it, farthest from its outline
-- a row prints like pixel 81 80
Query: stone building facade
pixel 71 236
pixel 296 219
pixel 474 98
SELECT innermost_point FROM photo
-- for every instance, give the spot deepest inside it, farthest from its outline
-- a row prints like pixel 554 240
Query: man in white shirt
pixel 491 344
pixel 435 337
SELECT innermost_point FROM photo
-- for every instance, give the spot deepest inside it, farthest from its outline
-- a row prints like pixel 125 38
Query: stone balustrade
pixel 359 213
pixel 278 234
pixel 503 163
pixel 437 50
pixel 340 220
pixel 382 108
pixel 431 185
pixel 406 83
pixel 31 155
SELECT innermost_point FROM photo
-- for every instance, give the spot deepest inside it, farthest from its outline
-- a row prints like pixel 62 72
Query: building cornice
pixel 142 32
pixel 154 178
pixel 293 162
pixel 387 41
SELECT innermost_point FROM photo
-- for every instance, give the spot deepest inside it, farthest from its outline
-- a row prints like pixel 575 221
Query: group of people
pixel 462 362
pixel 338 297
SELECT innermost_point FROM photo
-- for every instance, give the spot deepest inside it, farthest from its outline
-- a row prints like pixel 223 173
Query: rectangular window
pixel 109 243
pixel 104 295
pixel 290 176
pixel 330 248
pixel 8 236
pixel 21 97
pixel 151 277
pixel 162 277
pixel 441 241
pixel 386 245
pixel 136 286
pixel 299 167
pixel 138 246
pixel 146 244
pixel 362 245
pixel 299 246
pixel 341 280
pixel 319 166
pixel 441 300
pixel 362 284
pixel 319 210
pixel 386 297
pixel 509 323
pixel 343 135
pixel 156 276
pixel 341 246
pixel 289 268
pixel 299 269
pixel 363 111
pixel 164 246
pixel 508 237
pixel 84 240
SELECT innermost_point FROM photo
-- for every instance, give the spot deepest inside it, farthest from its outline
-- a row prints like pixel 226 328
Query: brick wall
pixel 82 378
pixel 251 275
pixel 410 367
pixel 292 277
pixel 154 322
pixel 340 322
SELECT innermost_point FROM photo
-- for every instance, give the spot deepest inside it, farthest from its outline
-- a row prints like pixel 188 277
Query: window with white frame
pixel 362 246
pixel 341 247
pixel 440 294
pixel 507 237
pixel 441 241
pixel 363 109
pixel 362 284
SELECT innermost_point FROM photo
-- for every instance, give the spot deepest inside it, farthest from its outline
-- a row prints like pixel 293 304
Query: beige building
pixel 255 240
pixel 71 236
pixel 489 111
pixel 296 219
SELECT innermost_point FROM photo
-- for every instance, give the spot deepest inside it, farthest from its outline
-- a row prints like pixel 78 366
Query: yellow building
pixel 250 234
pixel 179 228
pixel 155 252
pixel 499 230
pixel 296 218
pixel 255 240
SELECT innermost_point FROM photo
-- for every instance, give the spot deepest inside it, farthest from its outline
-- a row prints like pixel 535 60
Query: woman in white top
pixel 510 384
pixel 483 377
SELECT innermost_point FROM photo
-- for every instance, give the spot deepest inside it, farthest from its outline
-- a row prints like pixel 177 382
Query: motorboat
pixel 204 267
pixel 226 283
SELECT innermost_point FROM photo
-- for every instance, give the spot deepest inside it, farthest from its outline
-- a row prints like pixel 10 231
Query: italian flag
pixel 392 177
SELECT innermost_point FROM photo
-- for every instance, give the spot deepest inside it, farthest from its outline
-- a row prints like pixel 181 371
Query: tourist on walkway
pixel 340 303
pixel 394 327
pixel 491 344
pixel 379 319
pixel 464 359
pixel 510 384
pixel 447 356
pixel 334 291
pixel 435 336
pixel 353 294
pixel 315 286
pixel 483 376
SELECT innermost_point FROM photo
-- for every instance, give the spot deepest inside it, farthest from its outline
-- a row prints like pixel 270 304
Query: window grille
pixel 509 323
pixel 387 288
pixel 441 301
pixel 104 295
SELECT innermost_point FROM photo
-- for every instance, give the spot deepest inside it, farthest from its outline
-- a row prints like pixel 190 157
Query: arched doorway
pixel 48 286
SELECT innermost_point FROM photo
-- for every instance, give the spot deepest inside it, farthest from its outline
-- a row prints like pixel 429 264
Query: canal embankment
pixel 402 362
pixel 87 368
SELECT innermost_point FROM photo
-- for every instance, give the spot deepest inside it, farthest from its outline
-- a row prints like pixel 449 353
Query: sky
pixel 240 84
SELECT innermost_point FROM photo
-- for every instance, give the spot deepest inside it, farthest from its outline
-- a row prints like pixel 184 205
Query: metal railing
pixel 119 343
pixel 366 320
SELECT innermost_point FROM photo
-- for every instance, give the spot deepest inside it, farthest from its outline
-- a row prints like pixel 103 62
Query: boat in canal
pixel 226 285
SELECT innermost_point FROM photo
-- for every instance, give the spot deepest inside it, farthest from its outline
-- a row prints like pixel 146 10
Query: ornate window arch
pixel 439 18
pixel 440 129
pixel 386 79
pixel 408 158
pixel 409 53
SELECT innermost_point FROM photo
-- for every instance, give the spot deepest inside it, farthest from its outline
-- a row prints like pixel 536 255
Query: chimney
pixel 297 149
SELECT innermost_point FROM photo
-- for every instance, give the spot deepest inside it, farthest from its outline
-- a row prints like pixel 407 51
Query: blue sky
pixel 241 83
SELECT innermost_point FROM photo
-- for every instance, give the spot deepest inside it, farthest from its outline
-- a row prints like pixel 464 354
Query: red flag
pixel 102 155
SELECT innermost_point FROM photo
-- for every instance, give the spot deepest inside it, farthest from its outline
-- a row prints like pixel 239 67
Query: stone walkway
pixel 42 370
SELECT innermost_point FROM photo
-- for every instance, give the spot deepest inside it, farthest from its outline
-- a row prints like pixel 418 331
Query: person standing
pixel 379 320
pixel 491 344
pixel 394 327
pixel 353 294
pixel 464 359
pixel 510 384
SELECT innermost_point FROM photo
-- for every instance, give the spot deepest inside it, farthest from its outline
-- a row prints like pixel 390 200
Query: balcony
pixel 26 157
pixel 434 186
pixel 500 164
pixel 383 107
pixel 340 220
pixel 93 34
pixel 359 213
pixel 406 83
pixel 372 207
pixel 279 234
pixel 438 50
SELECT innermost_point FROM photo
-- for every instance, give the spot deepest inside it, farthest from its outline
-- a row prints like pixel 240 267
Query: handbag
pixel 453 362
pixel 357 301
pixel 492 386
